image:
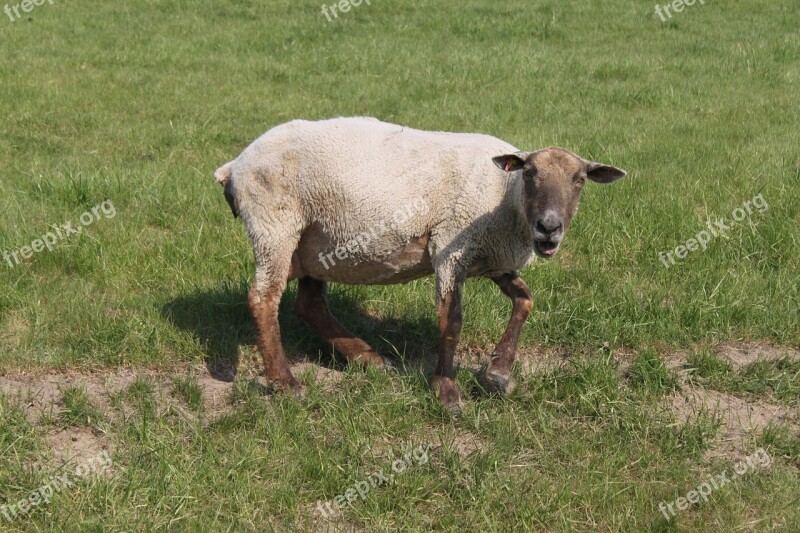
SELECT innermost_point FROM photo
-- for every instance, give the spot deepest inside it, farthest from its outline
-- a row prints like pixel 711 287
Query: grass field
pixel 638 382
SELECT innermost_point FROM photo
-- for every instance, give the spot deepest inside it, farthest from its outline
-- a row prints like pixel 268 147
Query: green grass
pixel 78 408
pixel 188 390
pixel 147 124
pixel 138 103
pixel 648 373
pixel 782 441
pixel 576 448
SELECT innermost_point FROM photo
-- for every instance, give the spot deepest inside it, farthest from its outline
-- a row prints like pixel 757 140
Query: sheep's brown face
pixel 553 180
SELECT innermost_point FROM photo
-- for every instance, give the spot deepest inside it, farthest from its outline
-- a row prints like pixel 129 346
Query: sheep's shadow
pixel 220 321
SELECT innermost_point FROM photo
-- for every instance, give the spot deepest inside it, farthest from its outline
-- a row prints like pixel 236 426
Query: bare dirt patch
pixel 465 443
pixel 76 445
pixel 676 361
pixel 541 361
pixel 40 394
pixel 740 355
pixel 741 420
pixel 530 360
pixel 327 377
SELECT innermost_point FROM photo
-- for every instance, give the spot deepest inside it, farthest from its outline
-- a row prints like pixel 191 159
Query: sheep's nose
pixel 549 224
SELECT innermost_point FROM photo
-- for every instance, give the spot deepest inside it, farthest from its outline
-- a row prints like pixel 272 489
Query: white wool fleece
pixel 347 176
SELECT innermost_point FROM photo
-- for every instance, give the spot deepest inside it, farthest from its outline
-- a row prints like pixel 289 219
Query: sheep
pixel 312 193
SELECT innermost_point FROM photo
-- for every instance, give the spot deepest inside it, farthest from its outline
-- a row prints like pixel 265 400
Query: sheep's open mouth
pixel 545 248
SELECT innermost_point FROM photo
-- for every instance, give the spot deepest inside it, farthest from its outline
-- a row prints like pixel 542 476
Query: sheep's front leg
pixel 449 310
pixel 498 374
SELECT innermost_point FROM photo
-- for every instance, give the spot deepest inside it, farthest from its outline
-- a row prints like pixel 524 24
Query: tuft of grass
pixel 787 382
pixel 783 441
pixel 696 435
pixel 589 386
pixel 188 389
pixel 706 364
pixel 140 394
pixel 18 437
pixel 649 375
pixel 78 409
pixel 140 390
pixel 778 380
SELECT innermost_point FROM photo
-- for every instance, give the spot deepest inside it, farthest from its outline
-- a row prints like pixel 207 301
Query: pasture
pixel 657 357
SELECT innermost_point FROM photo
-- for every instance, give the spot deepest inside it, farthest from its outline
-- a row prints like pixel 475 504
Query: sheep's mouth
pixel 545 248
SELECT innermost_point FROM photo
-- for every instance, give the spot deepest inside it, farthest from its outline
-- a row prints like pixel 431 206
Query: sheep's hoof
pixel 455 410
pixel 299 391
pixel 388 365
pixel 447 392
pixel 500 383
pixel 294 389
pixel 372 359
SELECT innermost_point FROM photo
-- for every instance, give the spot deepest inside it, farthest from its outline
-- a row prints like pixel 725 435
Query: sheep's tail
pixel 223 177
pixel 223 173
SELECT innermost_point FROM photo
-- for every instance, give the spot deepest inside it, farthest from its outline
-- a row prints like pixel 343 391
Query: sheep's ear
pixel 511 162
pixel 602 173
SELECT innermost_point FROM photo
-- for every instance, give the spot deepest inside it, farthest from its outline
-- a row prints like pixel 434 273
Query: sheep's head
pixel 553 180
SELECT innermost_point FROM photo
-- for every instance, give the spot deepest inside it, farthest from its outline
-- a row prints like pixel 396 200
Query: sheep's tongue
pixel 547 247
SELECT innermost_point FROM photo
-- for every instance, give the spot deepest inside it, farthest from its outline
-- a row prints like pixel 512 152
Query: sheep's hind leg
pixel 498 373
pixel 312 307
pixel 272 268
